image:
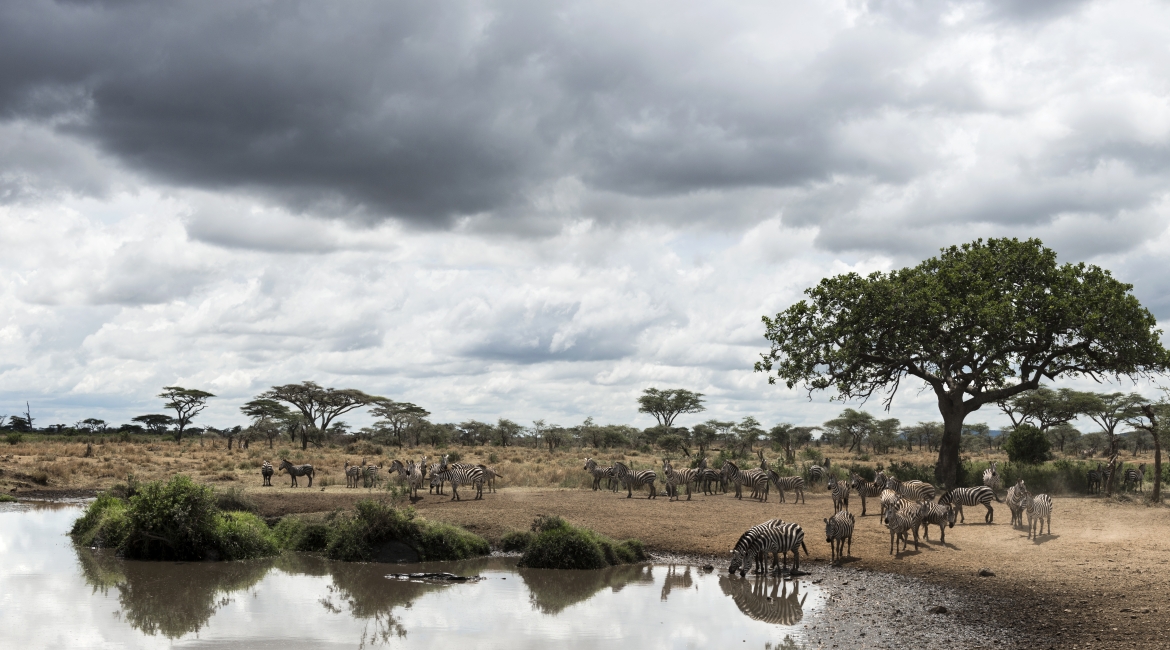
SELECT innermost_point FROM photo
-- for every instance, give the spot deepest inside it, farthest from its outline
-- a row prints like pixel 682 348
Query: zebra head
pixel 590 464
pixel 739 562
pixel 950 517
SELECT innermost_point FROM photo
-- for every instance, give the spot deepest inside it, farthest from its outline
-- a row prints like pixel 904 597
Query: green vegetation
pixel 516 541
pixel 356 537
pixel 5 498
pixel 556 544
pixel 14 438
pixel 1027 444
pixel 297 534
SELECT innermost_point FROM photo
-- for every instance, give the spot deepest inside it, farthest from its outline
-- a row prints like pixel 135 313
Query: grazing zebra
pixel 458 475
pixel 935 514
pixel 673 478
pixel 913 490
pixel 597 472
pixel 978 495
pixel 1039 508
pixel 900 522
pixel 865 489
pixel 1015 502
pixel 297 470
pixel 353 473
pixel 991 476
pixel 773 537
pixel 815 474
pixel 635 479
pixel 266 473
pixel 1137 476
pixel 840 492
pixel 838 531
pixel 756 478
pixel 1094 480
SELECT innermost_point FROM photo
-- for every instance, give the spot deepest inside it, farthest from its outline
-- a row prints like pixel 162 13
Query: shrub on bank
pixel 296 534
pixel 556 544
pixel 104 524
pixel 356 538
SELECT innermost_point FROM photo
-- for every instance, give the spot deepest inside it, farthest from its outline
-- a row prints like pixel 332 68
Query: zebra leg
pixel 800 493
pixel 962 519
pixel 310 475
pixel 990 518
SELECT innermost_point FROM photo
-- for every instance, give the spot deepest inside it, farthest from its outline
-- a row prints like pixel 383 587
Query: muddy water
pixel 55 595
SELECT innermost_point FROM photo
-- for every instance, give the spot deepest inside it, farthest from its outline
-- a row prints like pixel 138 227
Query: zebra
pixel 353 473
pixel 978 495
pixel 939 515
pixel 815 474
pixel 900 522
pixel 744 548
pixel 838 531
pixel 415 474
pixel 796 484
pixel 711 480
pixel 890 500
pixel 865 489
pixel 840 492
pixel 773 537
pixel 458 475
pixel 913 490
pixel 1039 508
pixel 673 477
pixel 1094 480
pixel 371 478
pixel 991 476
pixel 758 479
pixel 1015 502
pixel 490 475
pixel 632 479
pixel 1138 476
pixel 597 472
pixel 266 473
pixel 297 470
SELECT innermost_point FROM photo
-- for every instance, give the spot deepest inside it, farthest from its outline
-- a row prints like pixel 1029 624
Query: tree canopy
pixel 187 403
pixel 980 323
pixel 318 405
pixel 666 405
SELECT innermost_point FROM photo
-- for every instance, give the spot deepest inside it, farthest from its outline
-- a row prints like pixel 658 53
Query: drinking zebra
pixel 1039 508
pixel 673 478
pixel 934 514
pixel 838 531
pixel 840 493
pixel 458 475
pixel 353 473
pixel 900 522
pixel 635 479
pixel 866 489
pixel 1015 502
pixel 970 496
pixel 597 472
pixel 757 479
pixel 991 476
pixel 913 490
pixel 774 538
pixel 296 470
pixel 1137 476
pixel 266 473
pixel 745 548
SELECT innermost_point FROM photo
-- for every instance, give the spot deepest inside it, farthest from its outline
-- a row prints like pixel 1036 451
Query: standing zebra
pixel 978 495
pixel 991 476
pixel 796 484
pixel 1039 508
pixel 1015 502
pixel 815 474
pixel 635 479
pixel 935 514
pixel 598 472
pixel 673 478
pixel 1093 479
pixel 710 479
pixel 757 479
pixel 890 501
pixel 865 489
pixel 900 522
pixel 296 470
pixel 1137 476
pixel 490 475
pixel 838 531
pixel 353 473
pixel 772 537
pixel 371 475
pixel 840 492
pixel 913 490
pixel 266 473
pixel 744 549
pixel 458 475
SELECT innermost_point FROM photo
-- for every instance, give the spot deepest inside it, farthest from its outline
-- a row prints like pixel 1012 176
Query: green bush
pixel 243 535
pixel 13 438
pixel 355 538
pixel 907 471
pixel 1027 444
pixel 558 545
pixel 813 454
pixel 516 541
pixel 454 456
pixel 105 523
pixel 296 534
pixel 441 542
pixel 5 498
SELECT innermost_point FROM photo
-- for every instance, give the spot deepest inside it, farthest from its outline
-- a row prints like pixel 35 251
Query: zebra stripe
pixel 913 490
pixel 597 472
pixel 935 514
pixel 489 476
pixel 840 493
pixel 635 479
pixel 462 475
pixel 890 500
pixel 794 483
pixel 773 537
pixel 1039 508
pixel 673 478
pixel 1132 476
pixel 991 476
pixel 838 531
pixel 866 489
pixel 970 496
pixel 743 551
pixel 815 474
pixel 900 522
pixel 1094 480
pixel 370 476
pixel 297 470
pixel 266 473
pixel 353 473
pixel 1015 502
pixel 758 479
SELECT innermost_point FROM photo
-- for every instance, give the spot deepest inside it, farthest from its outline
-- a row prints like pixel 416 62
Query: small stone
pixel 937 609
pixel 708 567
pixel 985 573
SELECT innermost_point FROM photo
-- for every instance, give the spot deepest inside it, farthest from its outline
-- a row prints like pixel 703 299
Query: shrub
pixel 556 544
pixel 5 498
pixel 243 535
pixel 454 456
pixel 104 523
pixel 296 534
pixel 813 454
pixel 907 471
pixel 235 499
pixel 441 542
pixel 1027 444
pixel 355 538
pixel 516 541
pixel 13 438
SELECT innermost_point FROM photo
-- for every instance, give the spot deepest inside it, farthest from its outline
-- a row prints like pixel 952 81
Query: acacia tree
pixel 1150 417
pixel 187 403
pixel 851 426
pixel 399 417
pixel 155 423
pixel 267 416
pixel 318 406
pixel 666 405
pixel 978 324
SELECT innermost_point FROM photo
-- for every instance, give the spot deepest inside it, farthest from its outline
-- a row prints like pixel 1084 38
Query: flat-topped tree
pixel 978 324
pixel 666 405
pixel 319 405
pixel 187 403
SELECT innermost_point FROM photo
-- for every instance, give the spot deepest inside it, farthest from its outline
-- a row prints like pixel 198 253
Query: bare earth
pixel 1099 579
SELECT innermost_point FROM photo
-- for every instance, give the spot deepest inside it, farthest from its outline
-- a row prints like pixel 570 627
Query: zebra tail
pixel 804 547
pixel 997 499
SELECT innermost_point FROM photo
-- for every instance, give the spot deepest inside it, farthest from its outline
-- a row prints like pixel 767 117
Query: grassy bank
pixel 554 543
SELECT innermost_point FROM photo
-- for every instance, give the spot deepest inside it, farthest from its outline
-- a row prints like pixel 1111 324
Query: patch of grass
pixel 557 544
pixel 235 499
pixel 355 538
pixel 516 541
pixel 5 498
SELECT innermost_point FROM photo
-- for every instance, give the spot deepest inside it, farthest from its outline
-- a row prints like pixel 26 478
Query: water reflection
pixel 676 578
pixel 766 598
pixel 551 591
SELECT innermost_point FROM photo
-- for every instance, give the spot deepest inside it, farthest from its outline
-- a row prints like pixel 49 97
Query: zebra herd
pixel 412 474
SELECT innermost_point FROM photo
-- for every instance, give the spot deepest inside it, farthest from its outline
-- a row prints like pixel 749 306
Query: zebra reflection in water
pixel 766 598
pixel 674 580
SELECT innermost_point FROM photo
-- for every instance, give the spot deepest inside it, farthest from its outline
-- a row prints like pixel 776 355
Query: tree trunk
pixel 946 471
pixel 1156 493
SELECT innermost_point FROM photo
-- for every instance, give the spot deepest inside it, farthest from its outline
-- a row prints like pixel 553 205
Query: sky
pixel 536 210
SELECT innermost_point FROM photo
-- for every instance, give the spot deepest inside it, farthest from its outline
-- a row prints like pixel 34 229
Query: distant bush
pixel 559 545
pixel 516 541
pixel 813 454
pixel 1027 444
pixel 907 471
pixel 13 438
pixel 355 538
pixel 454 456
pixel 243 535
pixel 5 498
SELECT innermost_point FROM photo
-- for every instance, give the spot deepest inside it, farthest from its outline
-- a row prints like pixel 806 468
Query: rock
pixel 985 573
pixel 708 568
pixel 937 609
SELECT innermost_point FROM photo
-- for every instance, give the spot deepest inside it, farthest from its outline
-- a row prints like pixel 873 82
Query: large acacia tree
pixel 318 405
pixel 978 324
